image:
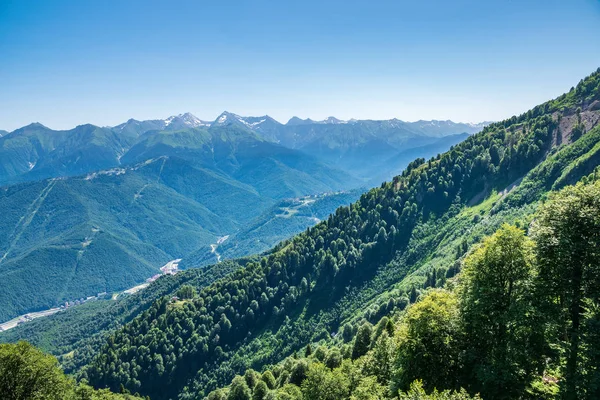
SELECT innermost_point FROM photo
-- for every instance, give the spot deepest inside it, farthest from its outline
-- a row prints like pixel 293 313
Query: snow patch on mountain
pixel 187 119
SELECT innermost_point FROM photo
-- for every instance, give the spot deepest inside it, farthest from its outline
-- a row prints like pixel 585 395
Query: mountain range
pixel 35 152
pixel 100 209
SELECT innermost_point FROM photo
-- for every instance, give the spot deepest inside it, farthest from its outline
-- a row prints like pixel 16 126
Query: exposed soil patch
pixel 589 119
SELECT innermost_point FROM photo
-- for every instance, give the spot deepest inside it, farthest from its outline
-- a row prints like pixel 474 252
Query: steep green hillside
pixel 363 257
pixel 67 239
pixel 496 329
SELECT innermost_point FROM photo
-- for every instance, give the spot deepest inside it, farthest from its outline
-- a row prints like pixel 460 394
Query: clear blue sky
pixel 64 63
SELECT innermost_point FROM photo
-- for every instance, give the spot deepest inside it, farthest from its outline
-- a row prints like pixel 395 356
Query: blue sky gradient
pixel 64 63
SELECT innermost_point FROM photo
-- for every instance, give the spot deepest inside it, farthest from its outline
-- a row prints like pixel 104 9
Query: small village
pixel 170 268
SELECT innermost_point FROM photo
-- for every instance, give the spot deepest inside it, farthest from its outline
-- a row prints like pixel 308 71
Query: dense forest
pixel 376 256
pixel 519 321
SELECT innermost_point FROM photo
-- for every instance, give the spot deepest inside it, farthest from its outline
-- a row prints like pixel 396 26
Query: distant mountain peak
pixel 227 118
pixel 329 120
pixel 187 119
pixel 299 121
pixel 32 126
pixel 333 120
pixel 36 125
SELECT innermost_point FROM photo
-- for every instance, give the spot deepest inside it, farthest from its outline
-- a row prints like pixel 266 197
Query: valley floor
pixel 21 319
pixel 169 268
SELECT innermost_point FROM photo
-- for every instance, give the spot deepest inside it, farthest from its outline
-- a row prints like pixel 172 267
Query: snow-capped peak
pixel 226 118
pixel 187 119
pixel 333 120
pixel 250 122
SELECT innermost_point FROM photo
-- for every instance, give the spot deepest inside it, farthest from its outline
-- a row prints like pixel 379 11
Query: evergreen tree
pixel 413 295
pixel 362 341
pixel 347 332
pixel 308 351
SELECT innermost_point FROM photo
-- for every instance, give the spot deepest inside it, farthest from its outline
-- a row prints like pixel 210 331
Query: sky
pixel 65 63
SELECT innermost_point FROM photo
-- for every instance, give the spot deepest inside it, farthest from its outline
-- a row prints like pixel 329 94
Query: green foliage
pixel 269 379
pixel 417 392
pixel 380 362
pixel 567 233
pixel 428 343
pixel 368 389
pixel 324 384
pixel 239 390
pixel 333 359
pixel 260 391
pixel 186 292
pixel 27 373
pixel 308 350
pixel 362 341
pixel 503 336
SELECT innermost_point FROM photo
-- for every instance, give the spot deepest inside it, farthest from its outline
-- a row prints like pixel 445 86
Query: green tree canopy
pixel 503 335
pixel 27 373
pixel 567 233
pixel 428 343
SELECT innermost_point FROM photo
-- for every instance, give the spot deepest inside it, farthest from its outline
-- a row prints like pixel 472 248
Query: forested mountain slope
pixel 496 329
pixel 80 330
pixel 63 239
pixel 365 256
pixel 381 170
pixel 36 152
pixel 76 334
